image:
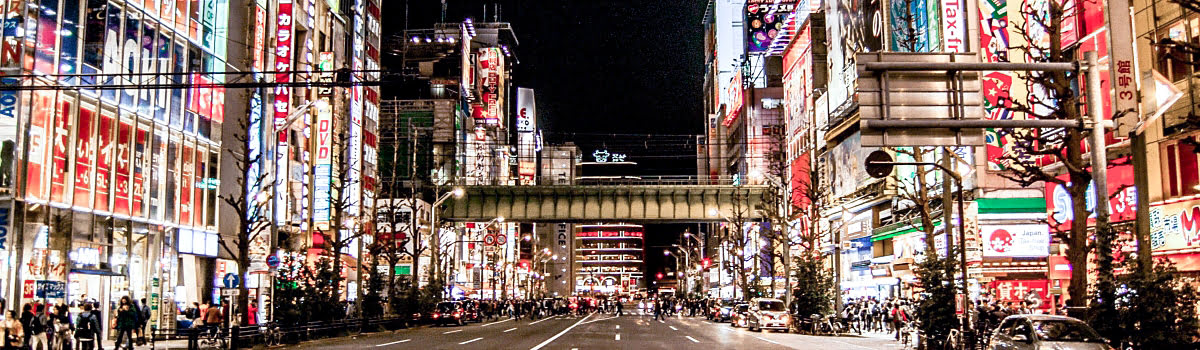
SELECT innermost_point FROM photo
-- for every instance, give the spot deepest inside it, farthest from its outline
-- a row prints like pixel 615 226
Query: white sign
pixel 1016 240
pixel 1122 56
pixel 526 110
pixel 230 291
pixel 954 23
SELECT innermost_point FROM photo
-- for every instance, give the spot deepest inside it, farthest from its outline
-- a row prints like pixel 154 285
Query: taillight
pixel 457 314
pixel 436 315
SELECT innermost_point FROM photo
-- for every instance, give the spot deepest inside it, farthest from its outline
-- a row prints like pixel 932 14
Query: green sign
pixel 403 270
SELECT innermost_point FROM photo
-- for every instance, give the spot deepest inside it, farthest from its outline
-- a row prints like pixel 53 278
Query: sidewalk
pixel 162 344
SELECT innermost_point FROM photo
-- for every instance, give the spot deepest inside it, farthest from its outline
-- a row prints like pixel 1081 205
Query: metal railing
pixel 270 334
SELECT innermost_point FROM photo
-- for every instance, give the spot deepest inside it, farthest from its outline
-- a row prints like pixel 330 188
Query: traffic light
pixel 659 276
pixel 706 262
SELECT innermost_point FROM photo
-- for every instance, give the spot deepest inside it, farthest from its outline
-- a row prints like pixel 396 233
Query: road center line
pixel 511 329
pixel 489 324
pixel 543 344
pixel 673 328
pixel 544 319
pixel 618 336
pixel 692 339
pixel 395 342
pixel 769 341
pixel 453 331
pixel 470 341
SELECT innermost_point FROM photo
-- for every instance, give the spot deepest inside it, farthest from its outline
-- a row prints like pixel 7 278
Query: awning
pixel 1011 205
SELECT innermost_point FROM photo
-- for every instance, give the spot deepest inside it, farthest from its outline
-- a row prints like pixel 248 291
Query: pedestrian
pixel 36 328
pixel 125 323
pixel 658 310
pixel 143 319
pixel 87 328
pixel 620 309
pixel 14 333
pixel 63 329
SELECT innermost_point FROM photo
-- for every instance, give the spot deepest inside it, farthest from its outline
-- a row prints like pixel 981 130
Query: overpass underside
pixel 606 203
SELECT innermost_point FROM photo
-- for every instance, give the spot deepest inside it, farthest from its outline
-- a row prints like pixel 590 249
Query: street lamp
pixel 435 228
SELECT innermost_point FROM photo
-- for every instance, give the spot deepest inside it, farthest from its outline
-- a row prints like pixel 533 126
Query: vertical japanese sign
pixel 121 185
pixel 260 40
pixel 324 161
pixel 282 103
pixel 1123 58
pixel 104 154
pixel 61 148
pixel 85 151
pixel 141 165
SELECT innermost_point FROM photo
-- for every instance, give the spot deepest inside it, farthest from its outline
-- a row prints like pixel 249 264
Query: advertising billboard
pixel 323 174
pixel 526 110
pixel 1175 226
pixel 797 82
pixel 844 165
pixel 765 21
pixel 1122 203
pixel 1015 241
pixel 852 26
pixel 911 29
pixel 734 99
pixel 490 65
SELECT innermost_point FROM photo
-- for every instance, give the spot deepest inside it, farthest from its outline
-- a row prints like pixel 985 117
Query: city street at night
pixel 598 331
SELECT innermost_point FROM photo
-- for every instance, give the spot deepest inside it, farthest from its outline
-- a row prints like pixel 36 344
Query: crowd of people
pixel 81 324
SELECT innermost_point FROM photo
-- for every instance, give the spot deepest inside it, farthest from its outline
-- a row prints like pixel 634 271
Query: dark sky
pixel 623 75
pixel 627 67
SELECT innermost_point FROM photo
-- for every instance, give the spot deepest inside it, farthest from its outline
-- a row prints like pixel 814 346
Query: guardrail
pixel 270 334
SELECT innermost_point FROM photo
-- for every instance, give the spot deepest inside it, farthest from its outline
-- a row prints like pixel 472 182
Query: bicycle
pixel 271 334
pixel 213 339
pixel 910 336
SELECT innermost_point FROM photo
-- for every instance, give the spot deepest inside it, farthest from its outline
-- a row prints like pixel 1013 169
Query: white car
pixel 1036 332
pixel 768 313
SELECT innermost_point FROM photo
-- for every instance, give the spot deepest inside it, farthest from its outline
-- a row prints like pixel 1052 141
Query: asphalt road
pixel 596 331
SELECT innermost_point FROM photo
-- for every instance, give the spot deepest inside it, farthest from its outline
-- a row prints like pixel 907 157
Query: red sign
pixel 123 153
pixel 1036 291
pixel 42 109
pixel 185 193
pixel 734 99
pixel 61 147
pixel 141 164
pixel 104 155
pixel 260 37
pixel 283 63
pixel 197 183
pixel 1122 203
pixel 85 151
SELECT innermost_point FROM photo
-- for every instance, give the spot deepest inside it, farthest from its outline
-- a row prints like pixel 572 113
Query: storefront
pixel 1175 234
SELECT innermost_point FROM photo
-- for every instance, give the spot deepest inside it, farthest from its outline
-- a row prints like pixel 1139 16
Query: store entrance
pixel 104 292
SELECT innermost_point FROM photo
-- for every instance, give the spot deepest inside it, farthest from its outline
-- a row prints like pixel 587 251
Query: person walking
pixel 126 321
pixel 144 318
pixel 36 327
pixel 658 310
pixel 63 329
pixel 87 328
pixel 14 333
pixel 620 309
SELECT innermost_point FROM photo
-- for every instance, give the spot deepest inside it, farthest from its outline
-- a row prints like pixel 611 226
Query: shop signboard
pixel 764 21
pixel 1122 202
pixel 85 151
pixel 1036 292
pixel 1016 240
pixel 734 99
pixel 526 110
pixel 1175 226
pixel 51 289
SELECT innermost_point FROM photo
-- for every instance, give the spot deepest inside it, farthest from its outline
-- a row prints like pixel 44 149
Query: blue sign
pixel 231 280
pixel 273 261
pixel 51 289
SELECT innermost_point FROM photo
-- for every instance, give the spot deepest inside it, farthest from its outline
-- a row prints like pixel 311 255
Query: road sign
pixel 231 291
pixel 897 94
pixel 501 239
pixel 402 270
pixel 489 240
pixel 876 170
pixel 273 261
pixel 231 280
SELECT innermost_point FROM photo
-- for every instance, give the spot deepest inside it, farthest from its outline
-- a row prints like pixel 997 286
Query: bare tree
pixel 249 205
pixel 344 230
pixel 734 242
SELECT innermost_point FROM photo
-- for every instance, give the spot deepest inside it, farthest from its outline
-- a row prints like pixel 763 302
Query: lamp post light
pixel 435 228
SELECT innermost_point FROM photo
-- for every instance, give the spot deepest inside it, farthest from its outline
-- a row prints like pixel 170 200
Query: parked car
pixel 1031 332
pixel 739 314
pixel 449 312
pixel 768 313
pixel 721 311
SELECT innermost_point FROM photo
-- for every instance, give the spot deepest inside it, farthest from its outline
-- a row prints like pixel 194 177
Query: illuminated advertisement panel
pixel 185 191
pixel 104 154
pixel 10 52
pixel 121 185
pixel 490 66
pixel 201 100
pixel 797 81
pixel 141 168
pixel 47 38
pixel 112 53
pixel 148 64
pixel 131 53
pixel 197 184
pixel 323 161
pixel 764 21
pixel 1122 202
pixel 733 99
pixel 85 151
pixel 848 31
pixel 260 37
pixel 1030 241
pixel 61 150
pixel 35 177
pixel 282 103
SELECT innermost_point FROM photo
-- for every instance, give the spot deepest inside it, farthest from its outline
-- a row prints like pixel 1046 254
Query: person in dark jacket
pixel 87 328
pixel 126 322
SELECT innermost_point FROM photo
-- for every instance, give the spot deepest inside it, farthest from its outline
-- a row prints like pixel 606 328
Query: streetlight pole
pixel 435 229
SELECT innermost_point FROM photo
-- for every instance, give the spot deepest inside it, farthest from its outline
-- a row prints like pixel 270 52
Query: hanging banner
pixel 104 155
pixel 185 193
pixel 141 167
pixel 1124 68
pixel 121 185
pixel 59 159
pixel 85 152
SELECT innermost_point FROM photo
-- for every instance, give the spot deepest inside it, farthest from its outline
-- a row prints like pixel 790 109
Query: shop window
pixel 149 64
pixel 1180 175
pixel 131 57
pixel 112 51
pixel 171 200
pixel 176 107
pixel 212 183
pixel 1172 62
pixel 93 36
pixel 69 51
pixel 157 172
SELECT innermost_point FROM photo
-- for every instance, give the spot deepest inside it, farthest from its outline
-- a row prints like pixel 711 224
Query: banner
pixel 61 146
pixel 121 185
pixel 1016 240
pixel 85 152
pixel 104 154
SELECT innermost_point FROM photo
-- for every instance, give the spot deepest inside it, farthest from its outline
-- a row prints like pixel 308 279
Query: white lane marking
pixel 601 319
pixel 544 319
pixel 489 324
pixel 673 328
pixel 470 341
pixel 543 344
pixel 769 341
pixel 618 326
pixel 618 336
pixel 511 329
pixel 692 339
pixel 661 321
pixel 453 331
pixel 395 342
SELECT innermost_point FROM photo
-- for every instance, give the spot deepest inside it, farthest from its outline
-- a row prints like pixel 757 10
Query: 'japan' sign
pixel 1016 240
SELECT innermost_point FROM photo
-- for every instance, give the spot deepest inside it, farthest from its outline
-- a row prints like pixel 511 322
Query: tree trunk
pixel 1077 249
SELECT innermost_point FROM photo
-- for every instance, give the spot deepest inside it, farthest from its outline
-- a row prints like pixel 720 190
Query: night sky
pixel 622 75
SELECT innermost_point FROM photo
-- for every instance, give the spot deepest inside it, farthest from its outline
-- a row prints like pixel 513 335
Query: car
pixel 1030 332
pixel 721 311
pixel 471 312
pixel 738 315
pixel 768 313
pixel 449 312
